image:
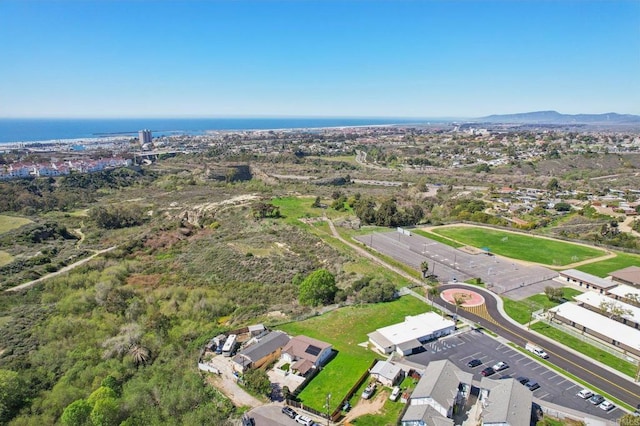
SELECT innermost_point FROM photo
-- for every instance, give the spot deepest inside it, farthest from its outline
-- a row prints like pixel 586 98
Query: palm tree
pixel 458 300
pixel 140 354
pixel 432 292
pixel 424 267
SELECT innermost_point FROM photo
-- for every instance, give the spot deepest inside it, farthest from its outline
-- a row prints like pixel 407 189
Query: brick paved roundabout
pixel 470 297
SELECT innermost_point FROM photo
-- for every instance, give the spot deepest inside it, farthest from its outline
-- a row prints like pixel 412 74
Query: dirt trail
pixel 370 406
pixel 60 271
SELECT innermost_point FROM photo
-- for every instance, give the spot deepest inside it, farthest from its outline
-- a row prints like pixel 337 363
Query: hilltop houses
pixel 60 168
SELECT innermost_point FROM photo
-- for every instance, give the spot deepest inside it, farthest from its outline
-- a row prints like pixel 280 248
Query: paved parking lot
pixel 502 275
pixel 462 348
pixel 271 415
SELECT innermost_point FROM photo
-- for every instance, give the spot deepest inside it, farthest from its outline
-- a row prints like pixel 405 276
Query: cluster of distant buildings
pixel 60 168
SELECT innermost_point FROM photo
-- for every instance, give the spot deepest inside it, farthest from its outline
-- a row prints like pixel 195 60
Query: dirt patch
pixel 367 406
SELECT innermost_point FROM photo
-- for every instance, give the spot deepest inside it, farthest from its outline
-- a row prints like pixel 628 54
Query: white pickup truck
pixel 536 350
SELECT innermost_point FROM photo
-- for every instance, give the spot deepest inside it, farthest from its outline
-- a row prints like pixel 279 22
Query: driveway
pixel 226 383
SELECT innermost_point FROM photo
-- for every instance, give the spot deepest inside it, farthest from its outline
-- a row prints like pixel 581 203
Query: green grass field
pixel 345 328
pixel 590 351
pixel 605 267
pixel 438 238
pixel 520 310
pixel 520 246
pixel 7 223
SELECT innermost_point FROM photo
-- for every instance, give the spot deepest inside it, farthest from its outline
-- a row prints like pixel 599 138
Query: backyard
pixel 544 251
pixel 346 329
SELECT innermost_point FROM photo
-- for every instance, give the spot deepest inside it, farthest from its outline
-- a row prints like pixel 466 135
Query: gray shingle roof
pixel 440 382
pixel 508 402
pixel 266 346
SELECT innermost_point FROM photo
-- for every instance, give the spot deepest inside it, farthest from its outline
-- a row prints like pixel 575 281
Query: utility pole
pixel 328 405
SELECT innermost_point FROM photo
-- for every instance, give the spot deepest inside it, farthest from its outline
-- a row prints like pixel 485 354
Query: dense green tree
pixel 77 413
pixel 553 293
pixel 118 216
pixel 106 412
pixel 318 288
pixel 377 291
pixel 562 207
pixel 553 185
pixel 11 394
pixel 261 210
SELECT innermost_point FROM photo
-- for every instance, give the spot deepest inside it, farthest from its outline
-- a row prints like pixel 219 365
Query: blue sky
pixel 451 58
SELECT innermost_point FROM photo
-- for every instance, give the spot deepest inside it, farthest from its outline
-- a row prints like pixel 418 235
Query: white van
pixel 536 350
pixel 395 393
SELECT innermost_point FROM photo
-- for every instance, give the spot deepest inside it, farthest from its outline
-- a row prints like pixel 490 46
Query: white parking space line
pixel 573 385
pixel 546 372
pixel 515 354
pixel 542 396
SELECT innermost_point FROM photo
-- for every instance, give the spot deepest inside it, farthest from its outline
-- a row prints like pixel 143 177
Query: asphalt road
pixel 590 372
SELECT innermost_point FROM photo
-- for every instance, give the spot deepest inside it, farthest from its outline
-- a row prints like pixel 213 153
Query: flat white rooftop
pixel 599 323
pixel 625 290
pixel 415 327
pixel 596 300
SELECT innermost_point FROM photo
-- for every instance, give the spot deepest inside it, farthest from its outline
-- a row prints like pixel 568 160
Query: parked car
pixel 289 412
pixel 585 394
pixel 523 380
pixel 500 366
pixel 248 421
pixel 395 393
pixel 596 399
pixel 474 363
pixel 304 420
pixel 488 371
pixel 369 390
pixel 606 406
pixel 532 385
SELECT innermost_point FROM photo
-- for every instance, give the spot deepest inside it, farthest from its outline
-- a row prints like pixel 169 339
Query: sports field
pixel 520 246
pixel 7 223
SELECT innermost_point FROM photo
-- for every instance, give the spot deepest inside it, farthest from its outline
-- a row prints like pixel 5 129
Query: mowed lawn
pixel 605 267
pixel 345 328
pixel 7 223
pixel 520 246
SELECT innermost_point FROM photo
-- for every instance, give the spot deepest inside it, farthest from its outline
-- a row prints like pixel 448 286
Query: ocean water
pixel 32 130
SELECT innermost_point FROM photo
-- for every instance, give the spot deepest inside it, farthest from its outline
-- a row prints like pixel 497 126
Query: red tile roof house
pixel 305 354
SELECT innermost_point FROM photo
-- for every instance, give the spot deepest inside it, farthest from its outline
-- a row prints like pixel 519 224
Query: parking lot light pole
pixel 328 405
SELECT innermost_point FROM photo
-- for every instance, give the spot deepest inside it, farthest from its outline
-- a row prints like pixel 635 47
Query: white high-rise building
pixel 144 136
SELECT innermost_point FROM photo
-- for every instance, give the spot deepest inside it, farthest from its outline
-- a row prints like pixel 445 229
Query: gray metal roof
pixel 386 369
pixel 587 278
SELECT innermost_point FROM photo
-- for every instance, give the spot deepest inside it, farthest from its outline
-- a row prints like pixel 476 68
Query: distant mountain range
pixel 554 117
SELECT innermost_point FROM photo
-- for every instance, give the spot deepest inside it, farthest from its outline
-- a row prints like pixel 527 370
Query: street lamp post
pixel 328 405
